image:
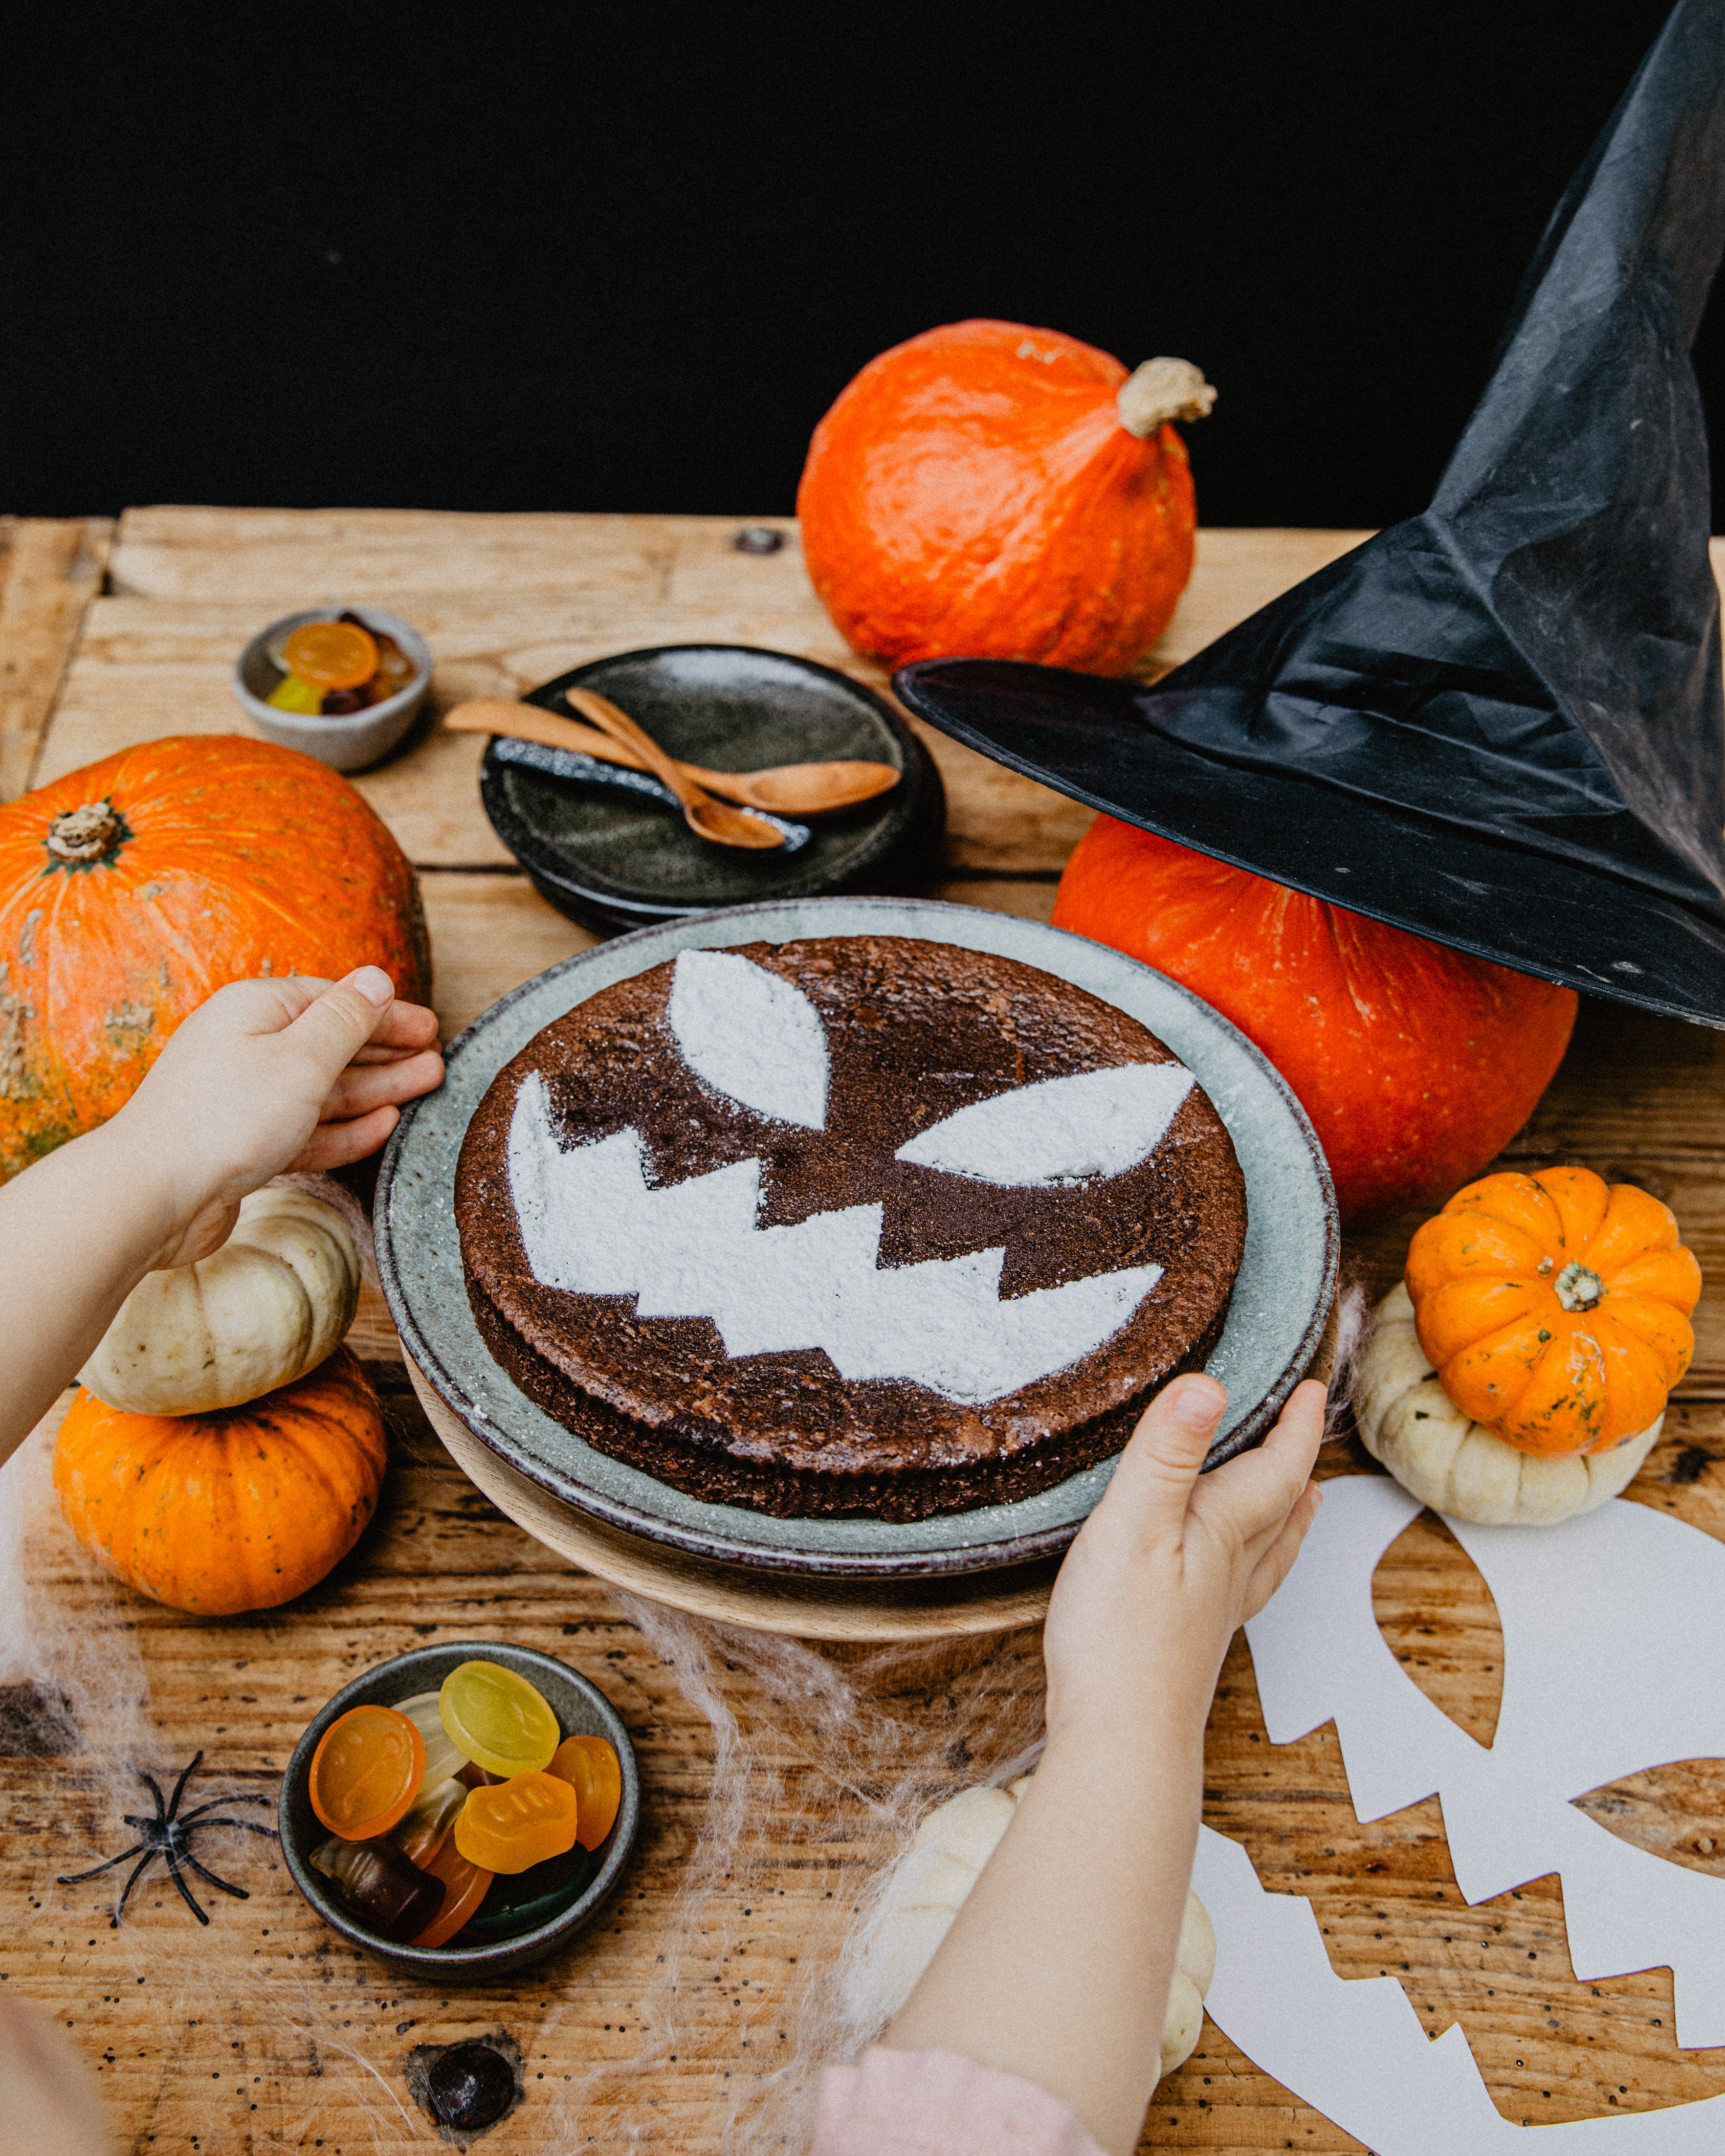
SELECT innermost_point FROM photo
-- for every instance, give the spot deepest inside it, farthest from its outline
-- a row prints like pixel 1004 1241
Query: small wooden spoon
pixel 783 789
pixel 707 816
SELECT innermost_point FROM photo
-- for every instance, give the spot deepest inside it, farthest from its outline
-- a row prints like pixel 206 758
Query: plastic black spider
pixel 168 1835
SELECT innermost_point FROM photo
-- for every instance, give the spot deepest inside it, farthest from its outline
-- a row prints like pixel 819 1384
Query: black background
pixel 607 257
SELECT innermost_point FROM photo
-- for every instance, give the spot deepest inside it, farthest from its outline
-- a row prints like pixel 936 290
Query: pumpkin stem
pixel 1578 1287
pixel 84 834
pixel 1162 389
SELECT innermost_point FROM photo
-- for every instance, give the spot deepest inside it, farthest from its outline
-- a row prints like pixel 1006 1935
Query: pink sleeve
pixel 935 2104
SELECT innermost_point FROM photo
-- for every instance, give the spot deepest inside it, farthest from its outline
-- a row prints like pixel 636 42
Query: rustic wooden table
pixel 769 1785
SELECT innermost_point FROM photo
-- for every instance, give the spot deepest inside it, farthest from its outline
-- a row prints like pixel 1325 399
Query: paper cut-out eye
pixel 1065 1130
pixel 752 1036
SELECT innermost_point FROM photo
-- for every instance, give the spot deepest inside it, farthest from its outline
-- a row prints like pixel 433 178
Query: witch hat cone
pixel 1498 724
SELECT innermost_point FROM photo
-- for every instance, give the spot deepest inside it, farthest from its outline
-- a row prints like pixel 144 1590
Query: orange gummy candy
pixel 334 654
pixel 366 1771
pixel 465 1886
pixel 517 1823
pixel 593 1771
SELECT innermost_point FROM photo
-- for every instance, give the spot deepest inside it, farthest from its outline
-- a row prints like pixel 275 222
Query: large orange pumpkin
pixel 131 889
pixel 1415 1062
pixel 988 490
pixel 1554 1307
pixel 238 1510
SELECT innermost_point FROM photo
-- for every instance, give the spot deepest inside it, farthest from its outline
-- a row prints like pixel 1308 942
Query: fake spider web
pixel 818 1764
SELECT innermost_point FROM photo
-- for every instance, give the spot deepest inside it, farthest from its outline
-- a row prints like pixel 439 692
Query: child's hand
pixel 1173 1561
pixel 269 1076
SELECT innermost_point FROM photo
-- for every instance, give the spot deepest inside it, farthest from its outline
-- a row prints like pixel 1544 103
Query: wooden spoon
pixel 783 789
pixel 707 816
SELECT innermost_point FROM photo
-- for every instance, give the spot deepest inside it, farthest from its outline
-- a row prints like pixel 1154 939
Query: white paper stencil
pixel 1614 1647
pixel 1356 2049
pixel 1594 1690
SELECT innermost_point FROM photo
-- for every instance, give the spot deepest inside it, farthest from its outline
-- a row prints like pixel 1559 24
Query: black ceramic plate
pixel 616 862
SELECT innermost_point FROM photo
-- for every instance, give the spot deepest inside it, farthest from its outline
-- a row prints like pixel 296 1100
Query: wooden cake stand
pixel 804 1606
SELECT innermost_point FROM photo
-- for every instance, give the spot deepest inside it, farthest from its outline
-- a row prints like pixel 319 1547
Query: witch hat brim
pixel 1499 724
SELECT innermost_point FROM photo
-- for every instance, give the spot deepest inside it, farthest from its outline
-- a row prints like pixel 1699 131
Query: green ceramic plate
pixel 1281 1295
pixel 616 862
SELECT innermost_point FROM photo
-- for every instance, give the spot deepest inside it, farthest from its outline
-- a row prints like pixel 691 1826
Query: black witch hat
pixel 1498 724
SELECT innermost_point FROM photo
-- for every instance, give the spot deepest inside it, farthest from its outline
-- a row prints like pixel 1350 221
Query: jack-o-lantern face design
pixel 1594 1689
pixel 593 1224
pixel 823 1198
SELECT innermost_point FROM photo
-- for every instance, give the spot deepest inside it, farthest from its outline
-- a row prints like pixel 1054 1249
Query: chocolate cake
pixel 859 1225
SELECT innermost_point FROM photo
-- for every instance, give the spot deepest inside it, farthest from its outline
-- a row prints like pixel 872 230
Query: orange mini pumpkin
pixel 989 491
pixel 131 889
pixel 241 1509
pixel 1417 1064
pixel 1555 1308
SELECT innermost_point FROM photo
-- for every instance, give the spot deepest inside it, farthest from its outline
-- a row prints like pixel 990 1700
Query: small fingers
pixel 405 1026
pixel 336 1145
pixel 1255 1491
pixel 1154 1478
pixel 335 1025
pixel 363 1086
pixel 1278 1561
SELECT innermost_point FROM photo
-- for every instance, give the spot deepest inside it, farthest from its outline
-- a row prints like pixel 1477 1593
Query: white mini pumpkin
pixel 928 1889
pixel 1409 1422
pixel 271 1304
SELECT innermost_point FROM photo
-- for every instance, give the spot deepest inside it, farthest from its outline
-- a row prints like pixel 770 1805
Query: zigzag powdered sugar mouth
pixel 851 1226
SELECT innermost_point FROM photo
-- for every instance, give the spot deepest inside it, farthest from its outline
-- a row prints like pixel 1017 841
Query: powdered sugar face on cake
pixel 592 1224
pixel 751 1035
pixel 1065 1130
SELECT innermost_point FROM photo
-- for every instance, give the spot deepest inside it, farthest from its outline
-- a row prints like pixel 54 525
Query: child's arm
pixel 1059 1965
pixel 266 1076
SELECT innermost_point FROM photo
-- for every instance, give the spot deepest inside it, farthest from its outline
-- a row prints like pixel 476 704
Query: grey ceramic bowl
pixel 349 743
pixel 581 1709
pixel 1275 1319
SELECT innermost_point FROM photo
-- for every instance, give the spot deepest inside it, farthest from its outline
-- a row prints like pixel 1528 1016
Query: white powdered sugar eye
pixel 751 1035
pixel 1065 1130
pixel 590 1224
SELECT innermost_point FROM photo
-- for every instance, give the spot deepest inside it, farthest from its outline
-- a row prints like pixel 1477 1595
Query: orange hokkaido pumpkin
pixel 241 1509
pixel 1416 1063
pixel 131 889
pixel 1555 1308
pixel 988 490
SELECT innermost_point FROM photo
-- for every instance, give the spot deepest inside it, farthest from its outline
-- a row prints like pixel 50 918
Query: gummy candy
pixel 442 1757
pixel 523 1900
pixel 465 1887
pixel 517 1823
pixel 291 694
pixel 334 654
pixel 429 1822
pixel 497 1719
pixel 366 1771
pixel 593 1769
pixel 376 1883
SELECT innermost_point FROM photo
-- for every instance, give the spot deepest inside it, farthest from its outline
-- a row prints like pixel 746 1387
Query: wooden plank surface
pixel 776 1776
pixel 50 569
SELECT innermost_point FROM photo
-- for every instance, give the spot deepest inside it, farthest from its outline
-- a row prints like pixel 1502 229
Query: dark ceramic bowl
pixel 581 1710
pixel 617 862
